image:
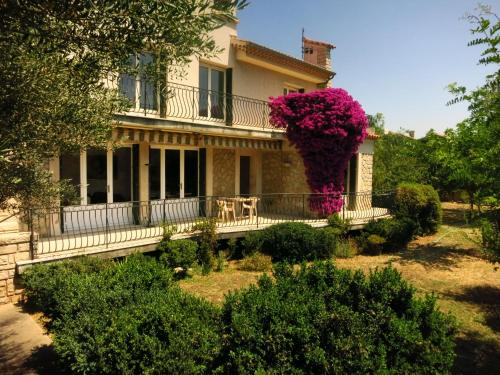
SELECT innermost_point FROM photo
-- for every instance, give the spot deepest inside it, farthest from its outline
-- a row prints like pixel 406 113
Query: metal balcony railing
pixel 61 229
pixel 193 104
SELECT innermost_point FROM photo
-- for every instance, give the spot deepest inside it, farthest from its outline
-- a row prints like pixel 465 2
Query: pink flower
pixel 327 126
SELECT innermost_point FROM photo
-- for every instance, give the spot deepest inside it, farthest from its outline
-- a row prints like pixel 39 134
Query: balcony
pixel 182 103
pixel 63 232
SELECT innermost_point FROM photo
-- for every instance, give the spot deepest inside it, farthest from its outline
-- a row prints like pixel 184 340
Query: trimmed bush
pixel 292 242
pixel 127 318
pixel 421 204
pixel 256 263
pixel 68 288
pixel 323 320
pixel 164 331
pixel 179 253
pixel 43 281
pixel 397 233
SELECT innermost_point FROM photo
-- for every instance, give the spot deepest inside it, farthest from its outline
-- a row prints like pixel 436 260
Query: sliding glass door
pixel 173 184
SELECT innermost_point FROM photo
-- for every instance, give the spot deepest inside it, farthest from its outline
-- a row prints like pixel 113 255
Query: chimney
pixel 317 53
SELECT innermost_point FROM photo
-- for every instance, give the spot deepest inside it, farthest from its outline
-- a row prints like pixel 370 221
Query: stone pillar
pixel 14 247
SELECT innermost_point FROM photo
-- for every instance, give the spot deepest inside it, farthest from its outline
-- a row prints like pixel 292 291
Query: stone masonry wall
pixel 365 183
pixel 14 246
pixel 271 172
pixel 224 172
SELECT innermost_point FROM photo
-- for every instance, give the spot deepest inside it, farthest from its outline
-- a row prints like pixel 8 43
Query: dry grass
pixel 446 264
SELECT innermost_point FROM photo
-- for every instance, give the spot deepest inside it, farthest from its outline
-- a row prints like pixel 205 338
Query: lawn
pixel 447 264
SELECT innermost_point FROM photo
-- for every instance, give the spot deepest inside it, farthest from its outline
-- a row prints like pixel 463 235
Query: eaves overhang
pixel 256 54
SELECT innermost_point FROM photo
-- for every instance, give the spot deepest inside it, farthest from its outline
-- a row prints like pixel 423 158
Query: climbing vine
pixel 327 126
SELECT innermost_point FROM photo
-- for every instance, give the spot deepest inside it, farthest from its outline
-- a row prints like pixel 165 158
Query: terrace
pixel 117 229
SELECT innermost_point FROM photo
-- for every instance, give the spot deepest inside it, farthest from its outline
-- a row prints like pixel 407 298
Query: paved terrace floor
pixel 135 238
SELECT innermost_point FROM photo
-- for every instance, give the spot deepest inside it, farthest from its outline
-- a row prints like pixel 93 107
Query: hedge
pixel 396 233
pixel 421 204
pixel 324 320
pixel 292 242
pixel 130 317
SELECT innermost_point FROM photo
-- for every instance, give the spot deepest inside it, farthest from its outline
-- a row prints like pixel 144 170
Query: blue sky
pixel 394 57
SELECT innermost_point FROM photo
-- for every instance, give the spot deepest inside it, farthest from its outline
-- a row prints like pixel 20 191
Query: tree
pixel 56 59
pixel 396 160
pixel 475 143
pixel 377 122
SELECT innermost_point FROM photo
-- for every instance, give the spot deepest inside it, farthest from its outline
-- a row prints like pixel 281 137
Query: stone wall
pixel 366 175
pixel 14 246
pixel 271 172
pixel 224 172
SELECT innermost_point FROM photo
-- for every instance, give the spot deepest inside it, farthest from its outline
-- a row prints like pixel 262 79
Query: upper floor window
pixel 290 90
pixel 139 89
pixel 211 95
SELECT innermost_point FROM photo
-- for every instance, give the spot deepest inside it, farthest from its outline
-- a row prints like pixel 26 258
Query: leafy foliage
pixel 421 204
pixel 395 232
pixel 207 243
pixel 124 317
pixel 490 235
pixel 323 320
pixel 179 253
pixel 390 170
pixel 326 126
pixel 256 262
pixel 292 242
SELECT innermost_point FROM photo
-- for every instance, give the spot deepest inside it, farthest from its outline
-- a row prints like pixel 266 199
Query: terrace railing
pixel 193 104
pixel 62 229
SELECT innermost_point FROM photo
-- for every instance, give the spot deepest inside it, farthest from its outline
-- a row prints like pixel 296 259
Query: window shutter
pixel 229 96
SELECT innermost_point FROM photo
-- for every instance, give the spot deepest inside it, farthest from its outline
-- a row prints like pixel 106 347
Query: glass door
pixel 173 184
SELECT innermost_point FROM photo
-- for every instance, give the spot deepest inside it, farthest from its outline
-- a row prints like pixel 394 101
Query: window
pixel 290 90
pixel 97 176
pixel 139 89
pixel 211 96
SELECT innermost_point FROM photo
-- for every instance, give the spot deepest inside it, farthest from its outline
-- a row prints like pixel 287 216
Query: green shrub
pixel 292 242
pixel 341 226
pixel 126 317
pixel 252 243
pixel 421 204
pixel 346 248
pixel 179 253
pixel 490 235
pixel 397 232
pixel 207 243
pixel 41 282
pixel 71 287
pixel 323 320
pixel 256 262
pixel 375 244
pixel 162 331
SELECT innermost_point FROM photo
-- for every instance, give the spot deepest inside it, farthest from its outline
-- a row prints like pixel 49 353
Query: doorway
pixel 244 175
pixel 173 184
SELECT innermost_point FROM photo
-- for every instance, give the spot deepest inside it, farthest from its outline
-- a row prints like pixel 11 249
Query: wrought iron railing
pixel 78 227
pixel 193 104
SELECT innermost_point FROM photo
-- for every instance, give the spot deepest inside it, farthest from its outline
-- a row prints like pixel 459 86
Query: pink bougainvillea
pixel 327 126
